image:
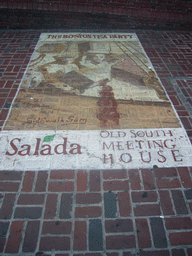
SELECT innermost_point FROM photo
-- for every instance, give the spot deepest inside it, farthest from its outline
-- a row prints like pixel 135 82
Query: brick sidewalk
pixel 121 212
pixel 134 212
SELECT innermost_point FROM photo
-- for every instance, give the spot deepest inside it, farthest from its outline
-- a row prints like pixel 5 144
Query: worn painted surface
pixel 92 101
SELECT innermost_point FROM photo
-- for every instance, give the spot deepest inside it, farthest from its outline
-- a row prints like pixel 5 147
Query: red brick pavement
pixel 111 212
pixel 133 220
pixel 153 14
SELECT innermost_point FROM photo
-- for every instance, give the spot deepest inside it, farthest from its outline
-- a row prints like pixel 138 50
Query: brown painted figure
pixel 108 113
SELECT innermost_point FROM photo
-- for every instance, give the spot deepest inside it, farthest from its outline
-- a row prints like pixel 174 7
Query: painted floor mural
pixel 92 101
pixel 91 82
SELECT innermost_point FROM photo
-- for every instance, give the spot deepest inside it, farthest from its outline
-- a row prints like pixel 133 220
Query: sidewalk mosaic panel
pixel 92 101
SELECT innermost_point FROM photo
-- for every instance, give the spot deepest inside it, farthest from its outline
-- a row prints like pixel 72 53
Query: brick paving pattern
pixel 111 212
pixel 94 14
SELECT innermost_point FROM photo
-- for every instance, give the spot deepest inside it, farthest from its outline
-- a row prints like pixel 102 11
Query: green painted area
pixel 48 138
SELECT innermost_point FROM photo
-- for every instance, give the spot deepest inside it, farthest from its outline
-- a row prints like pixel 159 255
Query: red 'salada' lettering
pixel 43 149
